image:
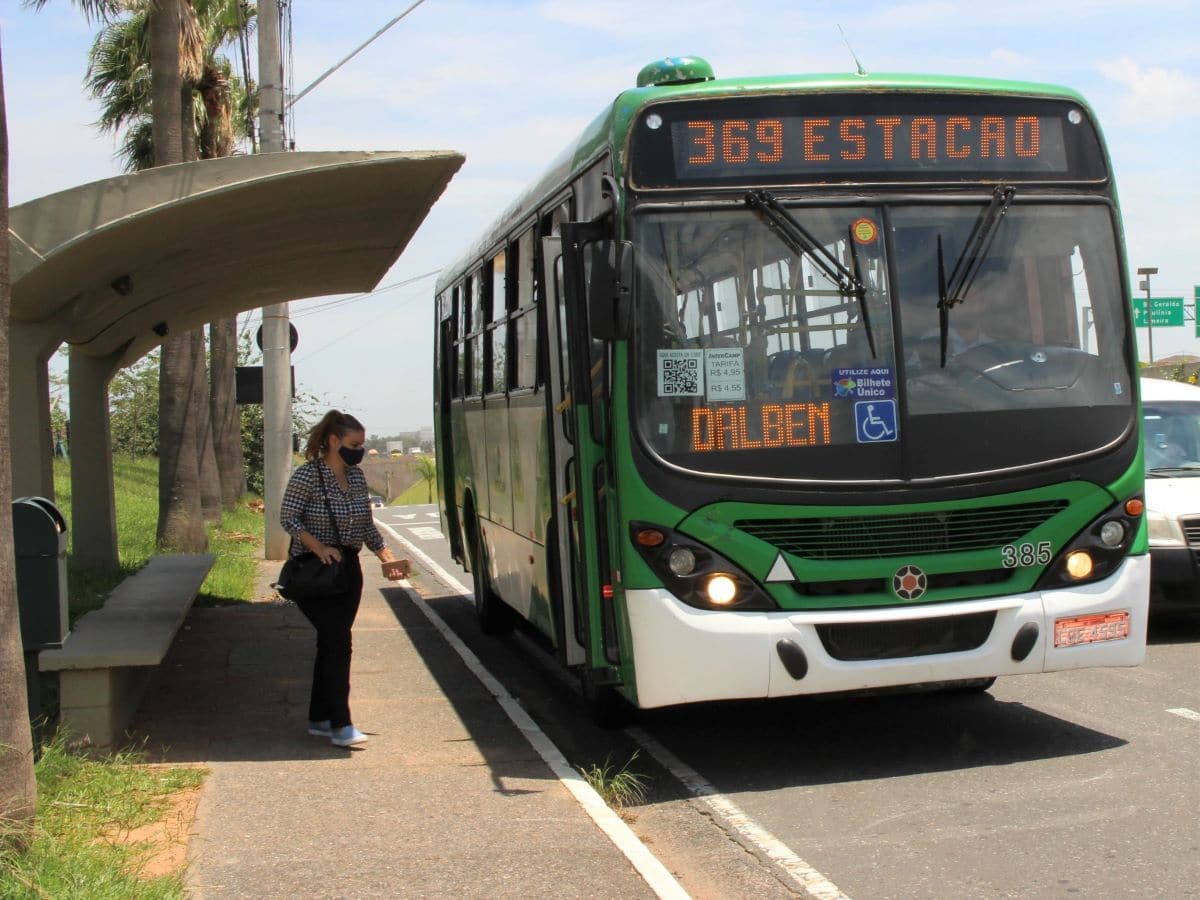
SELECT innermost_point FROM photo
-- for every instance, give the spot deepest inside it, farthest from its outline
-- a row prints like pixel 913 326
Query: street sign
pixel 1196 306
pixel 1167 311
pixel 295 335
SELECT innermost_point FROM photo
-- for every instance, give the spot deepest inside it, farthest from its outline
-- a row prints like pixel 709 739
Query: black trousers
pixel 333 618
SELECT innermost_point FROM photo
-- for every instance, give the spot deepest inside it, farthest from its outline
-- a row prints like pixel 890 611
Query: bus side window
pixel 459 386
pixel 478 358
pixel 524 321
pixel 469 318
pixel 497 301
pixel 493 283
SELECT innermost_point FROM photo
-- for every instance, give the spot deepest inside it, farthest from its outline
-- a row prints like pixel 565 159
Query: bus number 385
pixel 1014 555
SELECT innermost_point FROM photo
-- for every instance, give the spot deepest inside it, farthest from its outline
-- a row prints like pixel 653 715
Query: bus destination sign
pixel 818 144
pixel 863 138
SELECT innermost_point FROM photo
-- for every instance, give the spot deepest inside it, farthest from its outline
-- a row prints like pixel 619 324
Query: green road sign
pixel 1168 312
pixel 1196 306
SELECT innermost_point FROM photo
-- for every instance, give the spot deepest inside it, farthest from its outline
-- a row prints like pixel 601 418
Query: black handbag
pixel 305 577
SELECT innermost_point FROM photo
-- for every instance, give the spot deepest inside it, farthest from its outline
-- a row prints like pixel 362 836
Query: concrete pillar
pixel 93 501
pixel 31 441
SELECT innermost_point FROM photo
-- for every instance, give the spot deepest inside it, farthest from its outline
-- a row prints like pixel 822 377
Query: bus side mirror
pixel 608 271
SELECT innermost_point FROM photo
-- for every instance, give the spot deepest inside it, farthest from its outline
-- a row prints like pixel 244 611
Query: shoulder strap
pixel 328 508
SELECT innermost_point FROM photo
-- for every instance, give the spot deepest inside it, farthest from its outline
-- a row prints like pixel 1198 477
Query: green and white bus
pixel 798 385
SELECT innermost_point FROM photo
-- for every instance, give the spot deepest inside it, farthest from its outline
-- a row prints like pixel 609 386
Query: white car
pixel 1171 417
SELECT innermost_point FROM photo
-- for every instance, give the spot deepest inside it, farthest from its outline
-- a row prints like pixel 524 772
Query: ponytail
pixel 333 422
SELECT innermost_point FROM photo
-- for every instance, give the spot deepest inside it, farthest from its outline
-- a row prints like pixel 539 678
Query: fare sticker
pixel 864 231
pixel 724 374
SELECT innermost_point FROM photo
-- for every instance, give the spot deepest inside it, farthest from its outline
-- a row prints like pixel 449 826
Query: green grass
pixel 83 805
pixel 135 482
pixel 618 788
pixel 413 494
pixel 236 542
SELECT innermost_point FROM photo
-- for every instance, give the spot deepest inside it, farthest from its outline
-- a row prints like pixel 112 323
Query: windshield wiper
pixel 801 242
pixel 954 290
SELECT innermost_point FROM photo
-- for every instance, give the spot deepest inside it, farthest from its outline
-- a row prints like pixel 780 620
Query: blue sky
pixel 510 83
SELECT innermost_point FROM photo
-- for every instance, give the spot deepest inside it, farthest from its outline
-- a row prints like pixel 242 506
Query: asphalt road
pixel 1075 784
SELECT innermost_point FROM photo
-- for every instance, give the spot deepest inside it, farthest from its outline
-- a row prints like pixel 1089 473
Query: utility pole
pixel 1147 271
pixel 276 344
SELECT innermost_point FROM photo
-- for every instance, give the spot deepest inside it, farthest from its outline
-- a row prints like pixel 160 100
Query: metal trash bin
pixel 40 548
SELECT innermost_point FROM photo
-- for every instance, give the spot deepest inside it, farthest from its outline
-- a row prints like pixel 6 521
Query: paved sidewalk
pixel 446 799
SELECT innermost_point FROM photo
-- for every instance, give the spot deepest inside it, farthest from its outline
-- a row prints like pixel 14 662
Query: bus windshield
pixel 754 358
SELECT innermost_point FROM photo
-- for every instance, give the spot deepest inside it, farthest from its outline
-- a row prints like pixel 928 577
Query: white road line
pixel 434 515
pixel 656 875
pixel 425 532
pixel 1184 713
pixel 405 516
pixel 812 881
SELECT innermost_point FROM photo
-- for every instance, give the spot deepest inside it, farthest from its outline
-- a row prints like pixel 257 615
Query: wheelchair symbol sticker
pixel 875 421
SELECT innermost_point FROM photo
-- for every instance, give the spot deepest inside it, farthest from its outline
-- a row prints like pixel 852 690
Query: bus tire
pixel 494 615
pixel 970 685
pixel 606 707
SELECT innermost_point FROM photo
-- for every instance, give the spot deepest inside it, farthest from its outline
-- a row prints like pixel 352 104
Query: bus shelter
pixel 113 267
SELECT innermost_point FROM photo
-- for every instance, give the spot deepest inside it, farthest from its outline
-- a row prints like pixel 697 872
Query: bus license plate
pixel 1091 629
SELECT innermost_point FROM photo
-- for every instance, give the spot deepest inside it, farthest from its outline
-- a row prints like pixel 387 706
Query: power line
pixel 290 103
pixel 326 305
pixel 353 331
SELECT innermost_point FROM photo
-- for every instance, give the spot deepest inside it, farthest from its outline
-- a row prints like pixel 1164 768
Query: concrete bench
pixel 106 661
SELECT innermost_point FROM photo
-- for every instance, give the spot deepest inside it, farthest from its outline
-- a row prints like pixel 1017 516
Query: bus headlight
pixel 1112 533
pixel 1097 550
pixel 697 574
pixel 722 590
pixel 1079 565
pixel 681 562
pixel 1164 530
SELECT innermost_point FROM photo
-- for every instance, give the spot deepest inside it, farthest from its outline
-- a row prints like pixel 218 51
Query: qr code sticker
pixel 680 373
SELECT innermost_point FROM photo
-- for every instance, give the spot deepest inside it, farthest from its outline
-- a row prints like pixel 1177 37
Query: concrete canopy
pixel 114 266
pixel 101 265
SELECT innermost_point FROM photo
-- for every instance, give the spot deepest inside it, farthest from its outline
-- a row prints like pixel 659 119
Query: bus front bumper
pixel 683 654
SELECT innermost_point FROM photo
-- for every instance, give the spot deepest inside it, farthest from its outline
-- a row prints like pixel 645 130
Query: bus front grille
pixel 897 640
pixel 1191 529
pixel 859 586
pixel 868 537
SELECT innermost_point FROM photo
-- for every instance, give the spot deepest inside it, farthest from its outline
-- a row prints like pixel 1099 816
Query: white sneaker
pixel 347 736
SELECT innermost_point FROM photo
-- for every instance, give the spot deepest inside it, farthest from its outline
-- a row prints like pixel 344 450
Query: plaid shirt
pixel 303 509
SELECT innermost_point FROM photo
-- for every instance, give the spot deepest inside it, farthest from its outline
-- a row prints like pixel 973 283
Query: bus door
pixel 579 473
pixel 445 370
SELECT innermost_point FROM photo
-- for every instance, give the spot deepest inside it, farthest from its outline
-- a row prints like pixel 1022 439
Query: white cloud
pixel 1010 57
pixel 624 16
pixel 1157 97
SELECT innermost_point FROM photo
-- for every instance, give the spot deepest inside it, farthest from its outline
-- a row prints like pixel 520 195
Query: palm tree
pixel 427 472
pixel 174 58
pixel 180 514
pixel 18 790
pixel 118 75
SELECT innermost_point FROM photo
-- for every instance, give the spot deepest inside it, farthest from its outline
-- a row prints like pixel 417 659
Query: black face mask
pixel 351 457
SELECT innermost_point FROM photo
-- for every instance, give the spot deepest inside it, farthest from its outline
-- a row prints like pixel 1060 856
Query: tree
pixel 231 461
pixel 427 471
pixel 119 76
pixel 133 407
pixel 18 790
pixel 174 55
pixel 180 516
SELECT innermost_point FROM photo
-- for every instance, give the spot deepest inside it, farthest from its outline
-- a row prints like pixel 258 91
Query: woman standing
pixel 327 513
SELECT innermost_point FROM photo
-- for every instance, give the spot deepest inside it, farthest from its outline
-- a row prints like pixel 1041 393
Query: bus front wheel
pixel 607 707
pixel 494 615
